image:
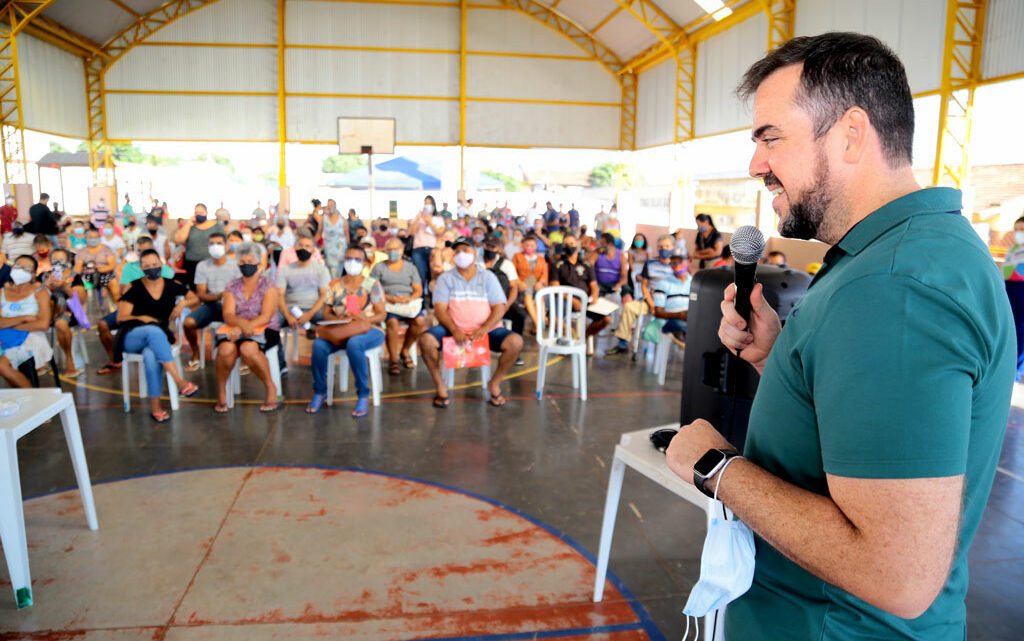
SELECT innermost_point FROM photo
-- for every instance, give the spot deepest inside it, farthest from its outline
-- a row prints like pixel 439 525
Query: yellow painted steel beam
pixel 383 49
pixel 548 15
pixel 307 94
pixel 185 92
pixel 530 101
pixel 96 68
pixel 961 74
pixel 206 45
pixel 61 36
pixel 695 32
pixel 14 17
pixel 611 14
pixel 121 5
pixel 463 14
pixel 282 122
pixel 627 126
pixel 781 14
pixel 686 92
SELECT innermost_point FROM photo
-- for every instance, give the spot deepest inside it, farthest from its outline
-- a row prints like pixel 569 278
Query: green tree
pixel 342 163
pixel 511 183
pixel 57 148
pixel 220 160
pixel 611 175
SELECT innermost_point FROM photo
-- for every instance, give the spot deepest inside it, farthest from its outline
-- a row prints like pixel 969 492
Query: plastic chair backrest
pixel 555 316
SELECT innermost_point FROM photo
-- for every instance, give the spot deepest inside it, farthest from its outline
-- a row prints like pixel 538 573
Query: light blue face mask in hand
pixel 726 566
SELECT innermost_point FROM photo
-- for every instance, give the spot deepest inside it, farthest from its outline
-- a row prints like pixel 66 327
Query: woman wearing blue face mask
pixel 24 319
pixel 403 295
pixel 76 237
pixel 357 301
pixel 144 316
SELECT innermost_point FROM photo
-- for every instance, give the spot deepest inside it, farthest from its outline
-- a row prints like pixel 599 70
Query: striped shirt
pixel 672 294
pixel 469 302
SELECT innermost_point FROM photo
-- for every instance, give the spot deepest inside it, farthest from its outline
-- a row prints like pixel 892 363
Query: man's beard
pixel 807 215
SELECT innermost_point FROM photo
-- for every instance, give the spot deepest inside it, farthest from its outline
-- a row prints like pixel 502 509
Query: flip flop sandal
pixel 160 417
pixel 442 402
pixel 189 390
pixel 362 408
pixel 269 409
pixel 394 369
pixel 497 401
pixel 109 368
pixel 221 409
pixel 75 373
pixel 407 361
pixel 193 366
pixel 315 404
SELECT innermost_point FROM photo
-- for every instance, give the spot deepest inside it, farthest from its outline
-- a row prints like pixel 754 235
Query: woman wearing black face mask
pixel 65 285
pixel 144 315
pixel 195 235
pixel 252 327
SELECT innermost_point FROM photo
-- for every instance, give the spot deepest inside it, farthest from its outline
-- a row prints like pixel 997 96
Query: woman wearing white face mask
pixel 24 319
pixel 403 295
pixel 425 228
pixel 357 301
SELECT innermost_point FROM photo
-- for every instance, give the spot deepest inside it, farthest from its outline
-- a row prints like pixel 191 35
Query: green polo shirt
pixel 897 363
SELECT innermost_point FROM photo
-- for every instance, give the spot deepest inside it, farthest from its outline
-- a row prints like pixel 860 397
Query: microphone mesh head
pixel 747 245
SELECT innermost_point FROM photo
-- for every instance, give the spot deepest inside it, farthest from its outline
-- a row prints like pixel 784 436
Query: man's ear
pixel 854 132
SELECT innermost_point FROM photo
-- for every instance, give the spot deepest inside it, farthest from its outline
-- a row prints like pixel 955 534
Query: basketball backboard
pixel 366 135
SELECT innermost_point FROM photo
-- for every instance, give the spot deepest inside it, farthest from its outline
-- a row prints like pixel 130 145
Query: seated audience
pixel 18 242
pixel 653 271
pixel 778 259
pixel 249 305
pixel 572 270
pixel 302 287
pixel 508 278
pixel 611 267
pixel 97 265
pixel 64 284
pixel 532 271
pixel 112 239
pixel 403 297
pixel 212 276
pixel 130 271
pixel 672 296
pixel 145 314
pixel 24 321
pixel 469 304
pixel 358 301
pixel 288 255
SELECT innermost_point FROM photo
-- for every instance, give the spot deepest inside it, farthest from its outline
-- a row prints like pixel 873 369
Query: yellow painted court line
pixel 297 401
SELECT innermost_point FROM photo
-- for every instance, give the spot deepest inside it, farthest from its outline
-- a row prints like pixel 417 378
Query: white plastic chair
pixel 662 352
pixel 339 361
pixel 234 383
pixel 78 351
pixel 211 329
pixel 638 330
pixel 289 334
pixel 136 359
pixel 557 323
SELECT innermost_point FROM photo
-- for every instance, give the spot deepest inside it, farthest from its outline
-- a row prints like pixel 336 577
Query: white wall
pixel 419 88
pixel 656 105
pixel 915 29
pixel 721 61
pixel 1003 51
pixel 52 88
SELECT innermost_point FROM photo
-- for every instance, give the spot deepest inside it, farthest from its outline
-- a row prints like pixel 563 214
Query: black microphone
pixel 747 246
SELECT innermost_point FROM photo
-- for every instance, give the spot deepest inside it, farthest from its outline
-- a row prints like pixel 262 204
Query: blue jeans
pixel 207 313
pixel 673 325
pixel 421 260
pixel 152 343
pixel 355 348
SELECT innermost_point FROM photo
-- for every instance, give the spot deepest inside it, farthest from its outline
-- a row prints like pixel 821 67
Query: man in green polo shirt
pixel 876 429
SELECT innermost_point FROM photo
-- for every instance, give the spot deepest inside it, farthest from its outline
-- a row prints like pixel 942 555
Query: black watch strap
pixel 700 480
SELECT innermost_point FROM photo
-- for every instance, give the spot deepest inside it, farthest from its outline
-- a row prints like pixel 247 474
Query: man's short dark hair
pixel 608 238
pixel 148 252
pixel 843 70
pixel 777 253
pixel 44 196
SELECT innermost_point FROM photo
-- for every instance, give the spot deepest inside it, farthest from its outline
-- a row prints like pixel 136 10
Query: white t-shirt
pixel 115 244
pixel 283 237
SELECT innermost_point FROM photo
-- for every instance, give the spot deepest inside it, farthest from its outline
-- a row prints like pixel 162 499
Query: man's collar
pixel 929 200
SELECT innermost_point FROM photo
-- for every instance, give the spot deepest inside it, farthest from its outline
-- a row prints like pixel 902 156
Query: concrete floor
pixel 548 460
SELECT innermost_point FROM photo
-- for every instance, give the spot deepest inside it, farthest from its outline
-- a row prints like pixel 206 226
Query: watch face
pixel 708 462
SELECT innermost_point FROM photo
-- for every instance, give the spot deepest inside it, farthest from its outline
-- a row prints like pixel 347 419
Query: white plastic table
pixel 37 406
pixel 636 451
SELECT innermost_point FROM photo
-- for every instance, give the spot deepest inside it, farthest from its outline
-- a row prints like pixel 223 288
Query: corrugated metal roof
pixel 625 35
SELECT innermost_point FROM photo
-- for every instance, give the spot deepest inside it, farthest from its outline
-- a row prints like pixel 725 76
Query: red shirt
pixel 8 215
